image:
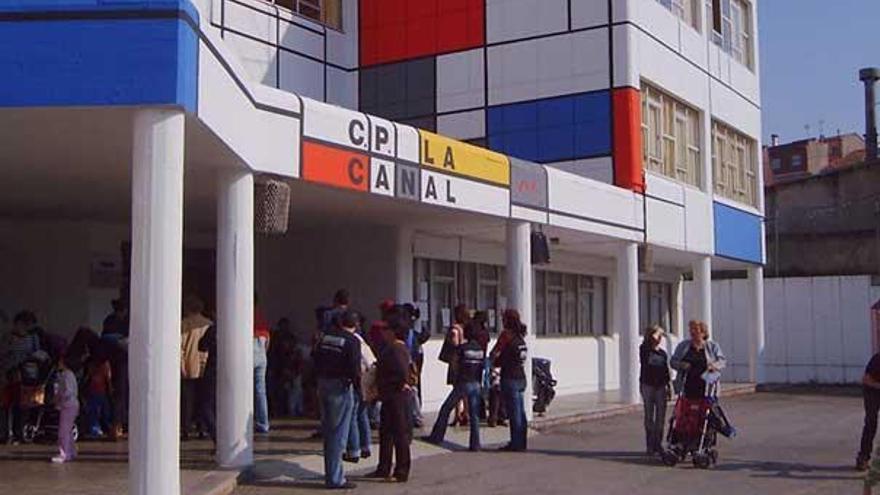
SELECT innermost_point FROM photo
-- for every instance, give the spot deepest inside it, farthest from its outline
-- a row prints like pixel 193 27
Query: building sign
pixel 335 166
pixel 454 157
pixel 463 194
pixel 528 184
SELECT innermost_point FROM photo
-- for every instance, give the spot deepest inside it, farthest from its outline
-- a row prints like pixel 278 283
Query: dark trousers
pixel 189 391
pixel 869 430
pixel 395 435
pixel 207 404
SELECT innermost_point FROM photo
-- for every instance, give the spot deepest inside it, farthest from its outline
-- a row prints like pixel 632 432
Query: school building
pixel 423 143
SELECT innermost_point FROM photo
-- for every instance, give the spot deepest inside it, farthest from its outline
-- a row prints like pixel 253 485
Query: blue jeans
pixel 359 434
pixel 295 406
pixel 99 414
pixel 471 392
pixel 512 393
pixel 261 404
pixel 337 404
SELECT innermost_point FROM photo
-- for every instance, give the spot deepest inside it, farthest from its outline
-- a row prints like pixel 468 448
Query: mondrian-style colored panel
pixel 460 81
pixel 395 30
pixel 335 166
pixel 553 129
pixel 508 20
pixel 738 234
pixel 627 111
pixel 455 157
pixel 546 67
pixel 399 91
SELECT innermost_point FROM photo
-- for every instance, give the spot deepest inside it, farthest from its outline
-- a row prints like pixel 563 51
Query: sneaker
pixel 365 454
pixel 350 458
pixel 376 475
pixel 348 485
pixel 59 459
pixel 861 464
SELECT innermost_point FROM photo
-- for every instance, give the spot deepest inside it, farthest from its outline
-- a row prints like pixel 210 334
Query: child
pixel 67 403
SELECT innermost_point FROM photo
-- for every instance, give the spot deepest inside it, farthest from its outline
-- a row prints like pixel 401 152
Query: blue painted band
pixel 99 53
pixel 738 234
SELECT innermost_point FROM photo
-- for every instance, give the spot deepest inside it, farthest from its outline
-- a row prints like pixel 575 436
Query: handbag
pixel 447 351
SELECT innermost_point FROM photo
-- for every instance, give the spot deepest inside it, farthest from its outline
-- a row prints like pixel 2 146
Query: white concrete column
pixel 235 318
pixel 404 265
pixel 756 324
pixel 156 272
pixel 520 291
pixel 702 307
pixel 626 317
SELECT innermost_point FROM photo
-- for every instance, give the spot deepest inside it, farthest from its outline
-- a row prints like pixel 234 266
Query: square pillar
pixel 756 324
pixel 626 318
pixel 403 263
pixel 156 281
pixel 520 292
pixel 235 318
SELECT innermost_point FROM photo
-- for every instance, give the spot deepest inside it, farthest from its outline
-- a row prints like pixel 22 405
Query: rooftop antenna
pixel 821 128
pixel 807 129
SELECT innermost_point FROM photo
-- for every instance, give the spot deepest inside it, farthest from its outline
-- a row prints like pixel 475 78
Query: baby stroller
pixel 543 383
pixel 41 420
pixel 695 425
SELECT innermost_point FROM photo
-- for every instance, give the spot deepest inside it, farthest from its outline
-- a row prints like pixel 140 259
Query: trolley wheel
pixel 713 456
pixel 702 461
pixel 29 433
pixel 669 458
pixel 75 432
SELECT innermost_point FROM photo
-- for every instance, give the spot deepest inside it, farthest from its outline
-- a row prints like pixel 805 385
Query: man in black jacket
pixel 337 358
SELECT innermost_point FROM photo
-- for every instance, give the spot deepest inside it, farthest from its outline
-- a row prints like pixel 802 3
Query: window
pixel 733 163
pixel 732 28
pixel 776 164
pixel 670 136
pixel 569 304
pixel 327 12
pixel 797 162
pixel 655 305
pixel 686 10
pixel 441 285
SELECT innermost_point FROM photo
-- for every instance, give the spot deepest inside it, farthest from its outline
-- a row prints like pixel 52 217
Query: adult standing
pixel 654 386
pixel 470 359
pixel 192 361
pixel 693 357
pixel 117 322
pixel 359 433
pixel 395 428
pixel 261 363
pixel 511 358
pixel 449 354
pixel 871 400
pixel 207 389
pixel 337 358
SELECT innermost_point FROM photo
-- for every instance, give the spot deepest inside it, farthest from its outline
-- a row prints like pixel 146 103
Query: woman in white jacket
pixel 359 433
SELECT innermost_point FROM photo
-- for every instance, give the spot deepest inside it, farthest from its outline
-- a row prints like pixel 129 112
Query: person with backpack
pixel 337 358
pixel 468 366
pixel 359 434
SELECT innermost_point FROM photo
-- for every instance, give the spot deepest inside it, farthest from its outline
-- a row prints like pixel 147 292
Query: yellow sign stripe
pixel 454 157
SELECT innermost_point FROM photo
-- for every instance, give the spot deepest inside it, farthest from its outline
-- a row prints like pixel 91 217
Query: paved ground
pixel 789 443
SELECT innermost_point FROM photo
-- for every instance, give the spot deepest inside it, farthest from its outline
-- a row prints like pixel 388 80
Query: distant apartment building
pixel 812 156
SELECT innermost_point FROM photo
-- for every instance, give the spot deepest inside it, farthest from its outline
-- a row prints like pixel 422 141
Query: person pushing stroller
pixel 697 417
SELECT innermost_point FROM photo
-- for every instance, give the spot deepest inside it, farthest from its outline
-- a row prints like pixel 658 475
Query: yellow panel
pixel 463 159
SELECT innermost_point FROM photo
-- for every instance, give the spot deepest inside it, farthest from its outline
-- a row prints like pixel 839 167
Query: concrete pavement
pixel 788 443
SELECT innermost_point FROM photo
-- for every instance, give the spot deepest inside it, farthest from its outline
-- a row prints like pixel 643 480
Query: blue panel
pixel 737 234
pixel 553 129
pixel 132 53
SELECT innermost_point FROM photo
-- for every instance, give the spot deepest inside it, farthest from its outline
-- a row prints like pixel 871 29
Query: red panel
pixel 627 111
pixel 396 30
pixel 335 166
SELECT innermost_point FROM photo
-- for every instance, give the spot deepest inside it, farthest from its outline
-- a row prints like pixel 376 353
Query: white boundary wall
pixel 818 329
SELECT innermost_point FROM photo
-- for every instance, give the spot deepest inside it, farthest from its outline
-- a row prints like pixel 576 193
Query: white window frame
pixel 671 136
pixel 734 162
pixel 313 10
pixel 686 10
pixel 735 34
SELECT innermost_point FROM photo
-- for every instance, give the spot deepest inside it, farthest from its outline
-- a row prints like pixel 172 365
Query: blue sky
pixel 811 51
